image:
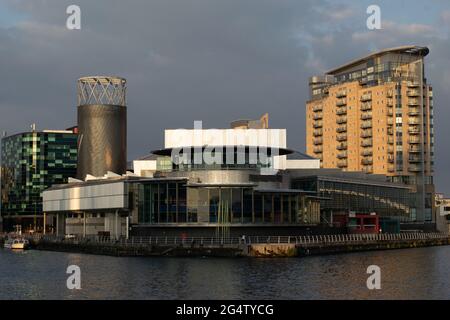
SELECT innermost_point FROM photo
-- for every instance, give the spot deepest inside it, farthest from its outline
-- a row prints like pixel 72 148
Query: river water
pixel 422 273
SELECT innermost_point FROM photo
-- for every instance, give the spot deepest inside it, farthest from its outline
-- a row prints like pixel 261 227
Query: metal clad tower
pixel 102 126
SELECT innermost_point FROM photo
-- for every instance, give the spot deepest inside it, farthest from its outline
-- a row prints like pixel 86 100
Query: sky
pixel 209 60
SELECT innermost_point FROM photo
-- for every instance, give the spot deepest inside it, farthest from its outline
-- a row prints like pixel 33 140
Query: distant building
pixel 442 213
pixel 30 163
pixel 262 123
pixel 375 114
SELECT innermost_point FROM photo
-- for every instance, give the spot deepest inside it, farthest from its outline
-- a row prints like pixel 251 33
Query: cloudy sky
pixel 210 60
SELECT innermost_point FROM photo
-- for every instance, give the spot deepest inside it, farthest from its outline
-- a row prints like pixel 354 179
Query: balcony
pixel 368 169
pixel 413 93
pixel 318 149
pixel 317 133
pixel 342 163
pixel 341 102
pixel 318 124
pixel 366 134
pixel 341 111
pixel 342 146
pixel 366 106
pixel 414 149
pixel 366 143
pixel 414 168
pixel 390 130
pixel 367 153
pixel 318 108
pixel 413 102
pixel 366 97
pixel 390 102
pixel 390 149
pixel 367 161
pixel 414 130
pixel 342 128
pixel 391 168
pixel 413 84
pixel 414 140
pixel 390 158
pixel 341 93
pixel 366 124
pixel 413 112
pixel 390 93
pixel 341 137
pixel 318 116
pixel 390 122
pixel 390 140
pixel 342 155
pixel 414 158
pixel 366 116
pixel 390 112
pixel 341 120
pixel 317 141
pixel 413 121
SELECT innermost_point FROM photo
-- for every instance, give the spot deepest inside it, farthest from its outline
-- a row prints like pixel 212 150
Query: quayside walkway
pixel 257 246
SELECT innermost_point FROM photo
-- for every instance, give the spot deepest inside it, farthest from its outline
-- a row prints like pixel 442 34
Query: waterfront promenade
pixel 272 246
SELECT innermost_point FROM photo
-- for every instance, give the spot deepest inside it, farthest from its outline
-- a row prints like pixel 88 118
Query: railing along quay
pixel 236 241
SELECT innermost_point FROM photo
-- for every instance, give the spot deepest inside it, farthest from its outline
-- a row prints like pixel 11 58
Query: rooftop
pixel 412 50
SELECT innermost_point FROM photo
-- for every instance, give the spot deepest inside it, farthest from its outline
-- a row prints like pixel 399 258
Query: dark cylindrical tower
pixel 102 126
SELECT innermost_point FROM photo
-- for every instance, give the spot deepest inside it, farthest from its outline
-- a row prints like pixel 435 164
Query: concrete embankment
pixel 259 247
pixel 370 246
pixel 121 250
pixel 293 250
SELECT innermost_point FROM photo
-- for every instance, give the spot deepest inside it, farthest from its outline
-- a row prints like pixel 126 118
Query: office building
pixel 31 162
pixel 375 114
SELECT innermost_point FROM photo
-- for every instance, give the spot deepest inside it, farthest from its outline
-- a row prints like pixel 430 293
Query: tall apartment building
pixel 375 114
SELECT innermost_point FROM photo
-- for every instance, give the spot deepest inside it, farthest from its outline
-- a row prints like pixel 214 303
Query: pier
pixel 272 246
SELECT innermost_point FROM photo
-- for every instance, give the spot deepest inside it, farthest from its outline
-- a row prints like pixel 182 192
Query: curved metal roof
pixel 413 50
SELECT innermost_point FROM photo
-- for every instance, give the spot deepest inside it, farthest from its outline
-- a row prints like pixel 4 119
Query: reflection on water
pixel 422 273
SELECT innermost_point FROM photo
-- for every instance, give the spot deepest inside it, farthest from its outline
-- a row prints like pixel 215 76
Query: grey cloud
pixel 192 60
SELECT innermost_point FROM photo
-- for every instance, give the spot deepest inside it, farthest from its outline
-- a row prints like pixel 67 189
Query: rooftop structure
pixel 102 125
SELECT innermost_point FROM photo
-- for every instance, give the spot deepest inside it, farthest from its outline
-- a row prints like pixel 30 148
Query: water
pixel 422 273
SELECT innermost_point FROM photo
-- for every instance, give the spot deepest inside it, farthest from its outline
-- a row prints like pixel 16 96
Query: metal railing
pixel 214 241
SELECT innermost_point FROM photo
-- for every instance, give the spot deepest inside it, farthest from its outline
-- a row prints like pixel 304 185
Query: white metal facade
pixel 89 197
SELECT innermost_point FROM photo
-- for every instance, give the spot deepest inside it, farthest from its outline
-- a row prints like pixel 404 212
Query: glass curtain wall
pixel 174 202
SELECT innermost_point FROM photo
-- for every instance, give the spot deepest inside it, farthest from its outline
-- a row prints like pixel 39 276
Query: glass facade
pixel 348 196
pixel 32 162
pixel 175 202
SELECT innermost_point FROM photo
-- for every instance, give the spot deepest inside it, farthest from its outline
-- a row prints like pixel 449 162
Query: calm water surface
pixel 422 273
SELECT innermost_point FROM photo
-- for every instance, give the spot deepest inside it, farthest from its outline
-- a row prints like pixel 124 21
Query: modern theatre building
pixel 221 182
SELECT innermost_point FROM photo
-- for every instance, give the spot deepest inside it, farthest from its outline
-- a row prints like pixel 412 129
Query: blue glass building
pixel 30 163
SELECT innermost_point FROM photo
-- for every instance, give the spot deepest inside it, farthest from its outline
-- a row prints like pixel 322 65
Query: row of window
pixel 175 203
